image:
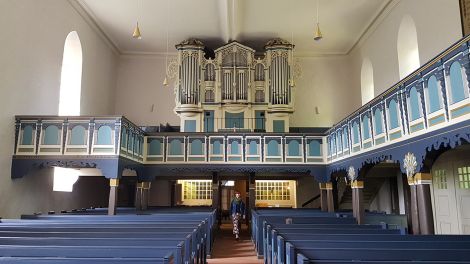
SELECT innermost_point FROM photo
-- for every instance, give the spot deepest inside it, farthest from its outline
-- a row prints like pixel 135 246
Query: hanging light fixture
pixel 318 35
pixel 136 33
pixel 165 81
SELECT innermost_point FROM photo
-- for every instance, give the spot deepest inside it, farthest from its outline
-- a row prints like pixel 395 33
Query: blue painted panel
pixel 434 95
pixel 216 147
pixel 253 148
pixel 314 148
pixel 176 147
pixel 380 141
pixel 293 148
pixel 457 92
pixel 278 126
pixel 460 111
pixel 155 147
pixel 339 136
pixel 124 137
pixel 27 137
pixel 415 105
pixel 437 120
pixel 260 121
pixel 367 145
pixel 235 148
pixel 104 136
pixel 393 114
pixel 51 135
pixel 355 133
pixel 77 136
pixel 234 120
pixel 416 127
pixel 345 138
pixel 196 147
pixel 189 125
pixel 365 127
pixel 209 121
pixel 378 122
pixel 273 148
pixel 395 135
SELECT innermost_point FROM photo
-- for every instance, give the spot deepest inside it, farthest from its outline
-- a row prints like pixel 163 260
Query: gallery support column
pixel 323 197
pixel 358 201
pixel 414 206
pixel 251 194
pixel 330 198
pixel 113 196
pixel 145 195
pixel 138 196
pixel 423 198
pixel 216 189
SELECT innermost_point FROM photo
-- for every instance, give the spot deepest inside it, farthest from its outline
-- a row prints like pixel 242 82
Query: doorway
pixel 451 192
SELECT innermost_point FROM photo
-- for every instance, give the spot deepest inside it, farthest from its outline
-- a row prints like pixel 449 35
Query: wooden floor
pixel 228 250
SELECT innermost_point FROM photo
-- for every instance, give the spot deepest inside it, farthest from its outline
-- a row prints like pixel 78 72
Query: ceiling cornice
pixel 85 12
pixel 375 22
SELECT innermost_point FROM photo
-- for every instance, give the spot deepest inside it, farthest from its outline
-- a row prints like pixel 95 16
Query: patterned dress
pixel 237 210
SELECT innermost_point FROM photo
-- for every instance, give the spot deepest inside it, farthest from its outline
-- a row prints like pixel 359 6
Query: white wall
pixel 324 84
pixel 32 43
pixel 139 86
pixel 438 26
pixel 383 200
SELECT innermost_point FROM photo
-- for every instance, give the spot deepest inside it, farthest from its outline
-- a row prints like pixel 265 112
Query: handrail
pixel 311 200
pixel 425 66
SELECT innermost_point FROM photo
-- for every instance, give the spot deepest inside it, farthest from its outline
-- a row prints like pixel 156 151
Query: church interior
pixel 235 131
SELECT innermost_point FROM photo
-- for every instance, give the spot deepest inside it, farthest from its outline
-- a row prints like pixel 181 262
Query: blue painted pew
pixel 170 252
pixel 32 260
pixel 313 255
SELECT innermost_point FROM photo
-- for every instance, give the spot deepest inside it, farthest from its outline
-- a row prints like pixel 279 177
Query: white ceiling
pixel 217 22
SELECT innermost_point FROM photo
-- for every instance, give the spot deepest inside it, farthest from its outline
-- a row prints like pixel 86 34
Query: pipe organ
pixel 235 89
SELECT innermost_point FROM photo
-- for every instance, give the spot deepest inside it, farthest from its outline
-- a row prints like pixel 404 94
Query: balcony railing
pixel 235 124
pixel 433 97
pixel 117 136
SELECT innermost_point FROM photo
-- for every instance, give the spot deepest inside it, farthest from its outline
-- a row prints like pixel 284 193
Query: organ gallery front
pixel 233 88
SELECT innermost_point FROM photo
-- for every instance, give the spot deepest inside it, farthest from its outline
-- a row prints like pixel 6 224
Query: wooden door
pixel 462 193
pixel 444 200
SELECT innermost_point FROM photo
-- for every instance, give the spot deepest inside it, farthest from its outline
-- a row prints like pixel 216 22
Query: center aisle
pixel 228 250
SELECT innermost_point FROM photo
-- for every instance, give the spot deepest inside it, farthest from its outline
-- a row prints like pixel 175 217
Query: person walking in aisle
pixel 237 211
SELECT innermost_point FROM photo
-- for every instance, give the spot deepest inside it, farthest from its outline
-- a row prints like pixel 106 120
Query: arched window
pixel 367 81
pixel 457 88
pixel 366 127
pixel 378 122
pixel 407 47
pixel 393 114
pixel 71 76
pixel 414 104
pixel 434 95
